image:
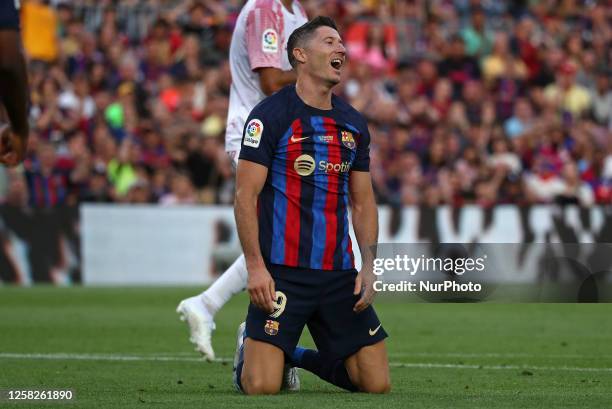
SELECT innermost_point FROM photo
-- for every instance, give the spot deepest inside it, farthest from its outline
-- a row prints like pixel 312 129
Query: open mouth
pixel 337 63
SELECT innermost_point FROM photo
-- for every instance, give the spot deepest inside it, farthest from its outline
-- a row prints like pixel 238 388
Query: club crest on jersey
pixel 252 133
pixel 304 165
pixel 269 41
pixel 271 327
pixel 347 139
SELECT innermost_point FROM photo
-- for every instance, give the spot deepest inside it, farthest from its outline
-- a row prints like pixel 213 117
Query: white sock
pixel 229 283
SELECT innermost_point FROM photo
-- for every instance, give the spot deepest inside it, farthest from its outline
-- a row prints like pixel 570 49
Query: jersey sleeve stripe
pixel 294 182
pixel 331 199
pixel 279 182
pixel 318 205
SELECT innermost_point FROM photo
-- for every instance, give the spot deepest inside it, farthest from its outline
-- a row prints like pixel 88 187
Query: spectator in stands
pixel 374 51
pixel 544 185
pixel 97 189
pixel 522 121
pixel 39 25
pixel 601 95
pixel 122 170
pixel 574 191
pixel 501 64
pixel 139 192
pixel 458 66
pixel 503 158
pixel 47 182
pixel 478 39
pixel 181 192
pixel 566 94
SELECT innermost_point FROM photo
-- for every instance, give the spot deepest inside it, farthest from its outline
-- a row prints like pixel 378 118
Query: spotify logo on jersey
pixel 304 165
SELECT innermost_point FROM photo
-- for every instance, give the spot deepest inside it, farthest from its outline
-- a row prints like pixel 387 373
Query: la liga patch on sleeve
pixel 252 133
pixel 269 41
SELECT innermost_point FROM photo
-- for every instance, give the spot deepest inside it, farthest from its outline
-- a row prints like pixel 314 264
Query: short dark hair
pixel 303 33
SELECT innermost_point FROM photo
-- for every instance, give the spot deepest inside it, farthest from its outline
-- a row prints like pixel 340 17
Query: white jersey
pixel 259 40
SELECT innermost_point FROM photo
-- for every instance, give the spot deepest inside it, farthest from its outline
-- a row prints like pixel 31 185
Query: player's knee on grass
pixel 262 371
pixel 368 369
pixel 255 385
pixel 372 381
pixel 375 385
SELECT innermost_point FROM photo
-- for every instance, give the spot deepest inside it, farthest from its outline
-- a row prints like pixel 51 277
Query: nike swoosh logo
pixel 294 139
pixel 373 332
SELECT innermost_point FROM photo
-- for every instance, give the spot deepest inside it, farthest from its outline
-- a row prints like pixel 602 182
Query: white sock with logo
pixel 231 282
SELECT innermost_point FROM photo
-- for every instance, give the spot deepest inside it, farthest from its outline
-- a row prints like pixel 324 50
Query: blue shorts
pixel 324 301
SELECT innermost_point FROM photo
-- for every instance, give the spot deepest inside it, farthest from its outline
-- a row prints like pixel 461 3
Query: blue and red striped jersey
pixel 309 153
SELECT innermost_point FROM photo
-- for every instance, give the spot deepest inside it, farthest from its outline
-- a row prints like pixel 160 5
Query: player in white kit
pixel 260 66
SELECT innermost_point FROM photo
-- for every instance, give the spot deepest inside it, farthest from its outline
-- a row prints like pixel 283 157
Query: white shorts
pixel 233 138
pixel 233 155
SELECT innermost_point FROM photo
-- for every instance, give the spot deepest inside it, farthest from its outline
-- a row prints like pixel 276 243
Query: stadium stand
pixel 470 102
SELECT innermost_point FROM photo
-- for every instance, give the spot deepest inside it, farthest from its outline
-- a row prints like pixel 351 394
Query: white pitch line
pixel 495 355
pixel 103 357
pixel 498 367
pixel 451 355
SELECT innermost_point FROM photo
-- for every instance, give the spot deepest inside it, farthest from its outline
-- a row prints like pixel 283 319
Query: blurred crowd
pixel 469 102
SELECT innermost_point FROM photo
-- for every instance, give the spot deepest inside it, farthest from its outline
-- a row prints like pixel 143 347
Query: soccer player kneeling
pixel 304 153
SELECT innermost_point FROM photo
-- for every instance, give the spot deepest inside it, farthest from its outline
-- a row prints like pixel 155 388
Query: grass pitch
pixel 117 348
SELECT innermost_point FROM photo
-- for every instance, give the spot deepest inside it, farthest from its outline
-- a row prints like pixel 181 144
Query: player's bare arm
pixel 250 179
pixel 365 224
pixel 272 79
pixel 14 95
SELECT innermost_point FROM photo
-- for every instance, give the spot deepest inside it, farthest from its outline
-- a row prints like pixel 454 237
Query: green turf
pixel 487 355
